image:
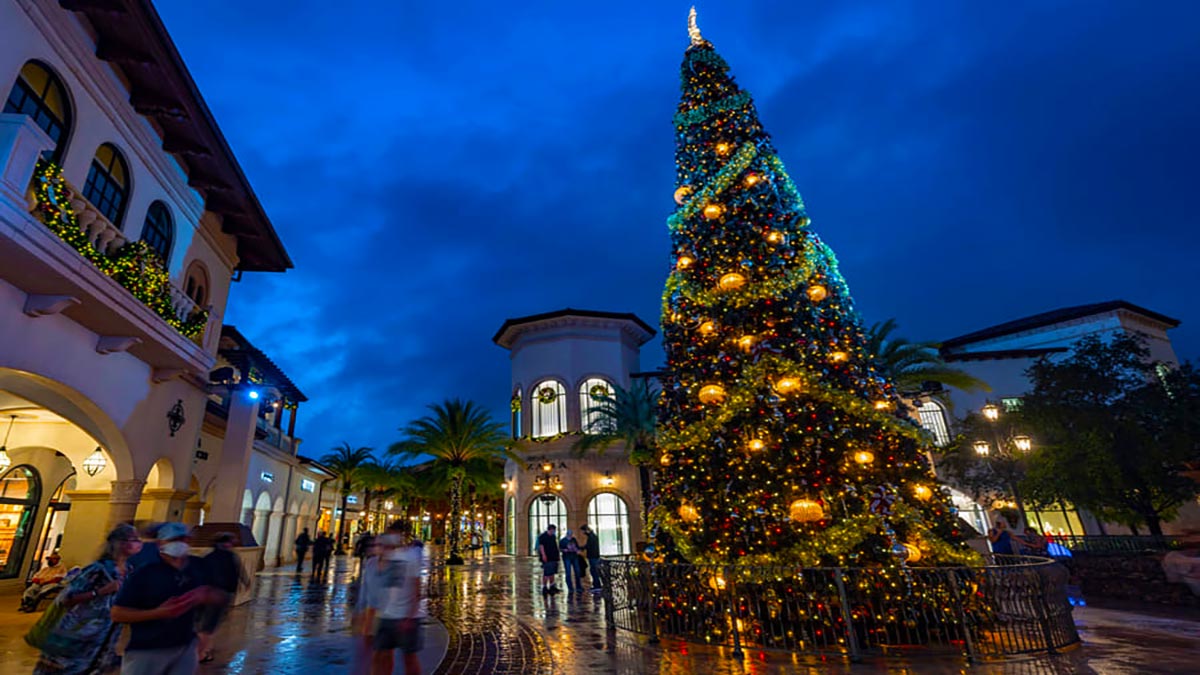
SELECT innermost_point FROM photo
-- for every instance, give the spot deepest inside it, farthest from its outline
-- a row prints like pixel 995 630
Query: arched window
pixel 608 516
pixel 515 406
pixel 549 409
pixel 196 285
pixel 41 95
pixel 20 492
pixel 933 419
pixel 592 393
pixel 542 514
pixel 159 230
pixel 107 186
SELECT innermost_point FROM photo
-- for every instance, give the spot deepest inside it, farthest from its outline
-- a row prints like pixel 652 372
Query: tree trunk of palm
pixel 452 528
pixel 341 535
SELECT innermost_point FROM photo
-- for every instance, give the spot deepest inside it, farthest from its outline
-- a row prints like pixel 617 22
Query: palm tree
pixel 628 416
pixel 346 463
pixel 377 480
pixel 463 441
pixel 911 365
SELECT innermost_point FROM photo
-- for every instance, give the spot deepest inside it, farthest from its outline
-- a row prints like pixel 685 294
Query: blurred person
pixel 569 548
pixel 591 549
pixel 84 640
pixel 548 553
pixel 390 601
pixel 225 571
pixel 159 601
pixel 322 551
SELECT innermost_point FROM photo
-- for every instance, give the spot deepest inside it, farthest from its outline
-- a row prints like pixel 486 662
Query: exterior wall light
pixel 1023 443
pixel 607 479
pixel 982 448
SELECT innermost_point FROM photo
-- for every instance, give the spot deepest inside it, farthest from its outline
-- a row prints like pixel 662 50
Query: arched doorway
pixel 20 492
pixel 608 516
pixel 542 514
pixel 56 522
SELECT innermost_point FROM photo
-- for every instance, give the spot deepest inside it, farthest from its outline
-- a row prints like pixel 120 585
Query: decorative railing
pixel 1117 543
pixel 1016 605
pixel 133 264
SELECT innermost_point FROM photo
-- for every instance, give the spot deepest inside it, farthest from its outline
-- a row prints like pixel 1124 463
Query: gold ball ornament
pixel 882 404
pixel 756 444
pixel 684 261
pixel 787 385
pixel 723 149
pixel 712 394
pixel 682 193
pixel 708 328
pixel 731 281
pixel 775 237
pixel 864 457
pixel 746 343
pixel 688 513
pixel 838 357
pixel 665 460
pixel 751 179
pixel 713 211
pixel 806 511
pixel 922 493
pixel 817 293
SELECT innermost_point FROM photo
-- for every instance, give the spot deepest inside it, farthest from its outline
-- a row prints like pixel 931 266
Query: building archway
pixel 608 516
pixel 262 513
pixel 542 514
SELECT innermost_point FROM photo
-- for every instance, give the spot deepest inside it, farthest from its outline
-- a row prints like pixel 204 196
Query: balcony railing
pixel 1117 543
pixel 134 265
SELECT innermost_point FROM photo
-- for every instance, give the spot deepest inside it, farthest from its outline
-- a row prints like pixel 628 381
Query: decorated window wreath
pixel 546 395
pixel 599 391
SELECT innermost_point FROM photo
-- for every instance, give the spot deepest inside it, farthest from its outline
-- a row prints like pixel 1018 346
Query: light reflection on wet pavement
pixel 498 622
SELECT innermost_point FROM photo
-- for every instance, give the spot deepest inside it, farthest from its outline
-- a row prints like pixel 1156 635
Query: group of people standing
pixel 322 548
pixel 1005 541
pixel 578 554
pixel 171 600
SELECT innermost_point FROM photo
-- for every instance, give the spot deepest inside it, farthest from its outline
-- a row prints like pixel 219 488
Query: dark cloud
pixel 434 169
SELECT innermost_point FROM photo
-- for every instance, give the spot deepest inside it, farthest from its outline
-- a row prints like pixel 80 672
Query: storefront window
pixel 20 491
pixel 56 522
pixel 541 514
pixel 1060 520
pixel 608 516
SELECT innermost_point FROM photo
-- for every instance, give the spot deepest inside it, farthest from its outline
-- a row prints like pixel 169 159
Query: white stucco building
pixel 1000 355
pixel 560 360
pixel 124 218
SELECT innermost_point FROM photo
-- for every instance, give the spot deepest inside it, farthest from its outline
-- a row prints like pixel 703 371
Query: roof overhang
pixel 507 335
pixel 1051 318
pixel 131 36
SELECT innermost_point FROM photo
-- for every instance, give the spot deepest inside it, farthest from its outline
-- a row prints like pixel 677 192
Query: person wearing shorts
pixel 547 546
pixel 390 597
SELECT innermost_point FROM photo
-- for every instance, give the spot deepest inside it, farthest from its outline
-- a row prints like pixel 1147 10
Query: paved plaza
pixel 488 617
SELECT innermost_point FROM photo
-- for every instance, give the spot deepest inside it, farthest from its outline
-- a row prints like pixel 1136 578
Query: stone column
pixel 166 505
pixel 260 526
pixel 287 534
pixel 123 502
pixel 235 458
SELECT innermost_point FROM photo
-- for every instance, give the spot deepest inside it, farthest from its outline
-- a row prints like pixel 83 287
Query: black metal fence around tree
pixel 1013 605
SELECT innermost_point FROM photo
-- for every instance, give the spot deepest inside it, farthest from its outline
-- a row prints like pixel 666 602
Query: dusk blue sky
pixel 434 168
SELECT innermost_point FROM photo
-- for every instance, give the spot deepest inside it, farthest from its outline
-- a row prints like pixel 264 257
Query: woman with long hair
pixel 82 643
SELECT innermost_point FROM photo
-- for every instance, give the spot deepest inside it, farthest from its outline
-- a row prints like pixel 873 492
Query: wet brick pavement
pixel 498 622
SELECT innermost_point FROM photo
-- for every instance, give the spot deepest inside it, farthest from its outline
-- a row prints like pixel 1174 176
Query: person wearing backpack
pixel 570 557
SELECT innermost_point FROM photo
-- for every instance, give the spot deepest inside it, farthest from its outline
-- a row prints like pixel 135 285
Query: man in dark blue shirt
pixel 159 601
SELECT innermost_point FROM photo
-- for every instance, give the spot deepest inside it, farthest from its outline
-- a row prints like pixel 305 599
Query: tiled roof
pixel 1052 317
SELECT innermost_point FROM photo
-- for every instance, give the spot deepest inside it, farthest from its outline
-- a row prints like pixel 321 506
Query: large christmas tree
pixel 779 441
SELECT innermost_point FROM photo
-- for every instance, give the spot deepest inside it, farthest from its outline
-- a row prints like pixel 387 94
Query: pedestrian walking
pixel 225 571
pixel 487 543
pixel 303 543
pixel 83 639
pixel 322 551
pixel 547 546
pixel 569 548
pixel 592 550
pixel 160 602
pixel 390 600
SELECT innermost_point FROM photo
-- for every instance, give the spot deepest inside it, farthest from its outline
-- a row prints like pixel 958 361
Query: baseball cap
pixel 170 531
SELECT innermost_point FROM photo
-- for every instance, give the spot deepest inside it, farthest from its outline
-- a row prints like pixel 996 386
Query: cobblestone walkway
pixel 496 621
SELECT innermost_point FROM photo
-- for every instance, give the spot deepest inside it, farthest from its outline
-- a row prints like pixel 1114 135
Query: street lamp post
pixel 1022 444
